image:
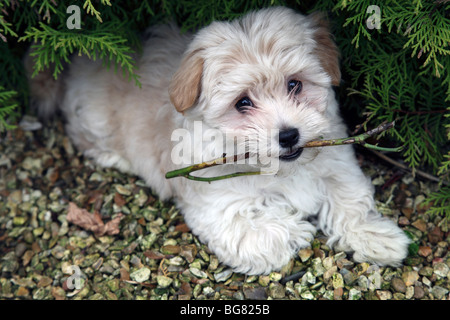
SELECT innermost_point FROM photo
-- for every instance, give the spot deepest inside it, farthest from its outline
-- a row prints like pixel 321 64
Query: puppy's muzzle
pixel 288 139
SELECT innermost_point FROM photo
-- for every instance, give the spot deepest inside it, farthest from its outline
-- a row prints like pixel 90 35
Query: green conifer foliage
pixel 395 57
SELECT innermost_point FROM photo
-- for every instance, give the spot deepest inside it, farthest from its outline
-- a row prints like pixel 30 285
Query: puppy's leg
pixel 254 241
pixel 352 223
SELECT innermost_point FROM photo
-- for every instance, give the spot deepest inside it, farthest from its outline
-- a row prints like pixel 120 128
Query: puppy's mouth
pixel 292 154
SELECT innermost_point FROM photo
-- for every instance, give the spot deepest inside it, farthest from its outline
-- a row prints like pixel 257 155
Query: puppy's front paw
pixel 380 242
pixel 264 249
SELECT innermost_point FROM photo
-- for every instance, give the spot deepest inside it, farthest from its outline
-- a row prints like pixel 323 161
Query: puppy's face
pixel 263 80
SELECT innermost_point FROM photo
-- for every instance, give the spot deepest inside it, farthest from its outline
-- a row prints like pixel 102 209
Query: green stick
pixel 359 139
pixel 185 172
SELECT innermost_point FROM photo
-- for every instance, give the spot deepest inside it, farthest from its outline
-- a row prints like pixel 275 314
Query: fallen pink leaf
pixel 92 222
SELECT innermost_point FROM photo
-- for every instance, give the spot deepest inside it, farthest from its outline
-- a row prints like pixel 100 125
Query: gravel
pixel 155 256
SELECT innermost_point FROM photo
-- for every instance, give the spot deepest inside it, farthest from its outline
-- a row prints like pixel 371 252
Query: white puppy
pixel 272 69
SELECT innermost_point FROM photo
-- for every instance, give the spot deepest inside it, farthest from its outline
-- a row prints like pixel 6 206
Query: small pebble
pixel 257 293
pixel 354 294
pixel 439 292
pixel 441 269
pixel 276 290
pixel 337 281
pixel 384 294
pixel 123 190
pixel 410 277
pixel 20 249
pixel 163 281
pixel 140 275
pixel 223 276
pixel 419 293
pixel 22 292
pixel 398 285
pixel 305 254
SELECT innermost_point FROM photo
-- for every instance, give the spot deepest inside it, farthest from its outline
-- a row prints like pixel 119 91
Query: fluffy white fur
pixel 255 224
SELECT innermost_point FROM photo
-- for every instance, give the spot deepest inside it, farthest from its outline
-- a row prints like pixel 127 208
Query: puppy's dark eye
pixel 244 104
pixel 294 86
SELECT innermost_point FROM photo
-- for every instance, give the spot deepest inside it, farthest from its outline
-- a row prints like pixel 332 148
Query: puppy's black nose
pixel 289 137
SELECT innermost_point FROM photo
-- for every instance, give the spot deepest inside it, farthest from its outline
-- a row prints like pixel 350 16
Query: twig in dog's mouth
pixel 359 139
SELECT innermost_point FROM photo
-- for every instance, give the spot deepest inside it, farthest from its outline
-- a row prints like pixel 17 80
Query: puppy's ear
pixel 326 49
pixel 185 86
